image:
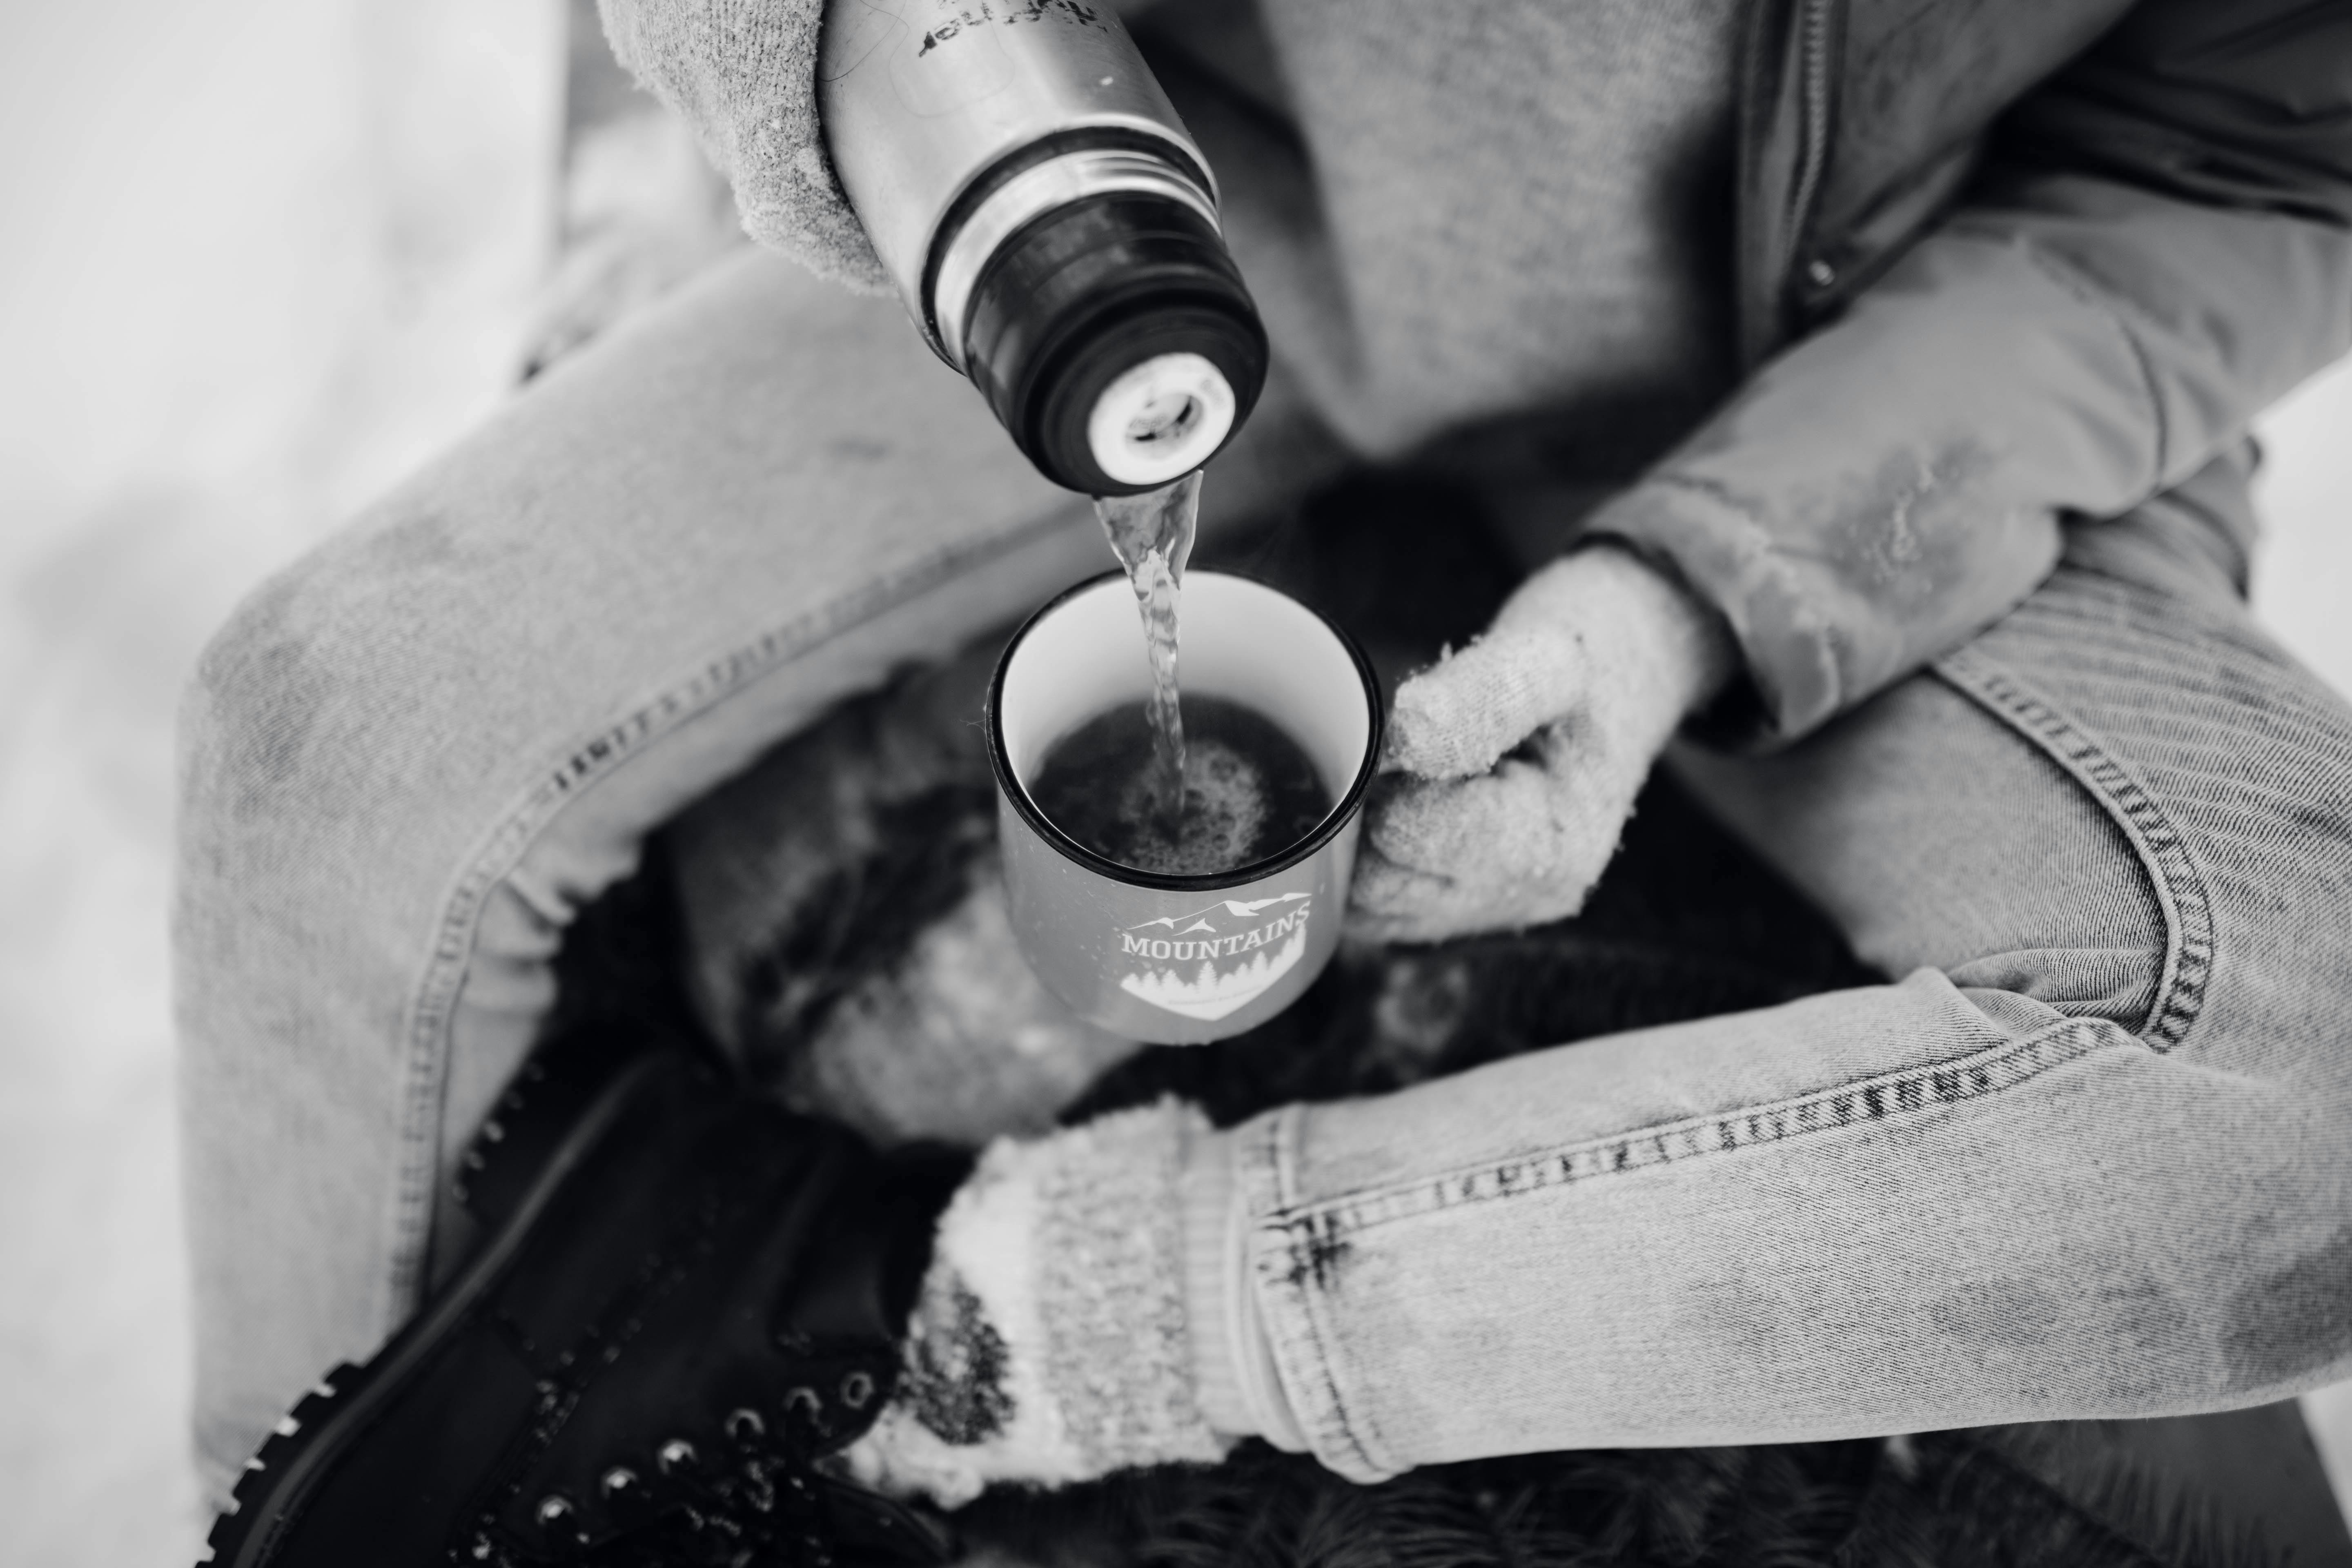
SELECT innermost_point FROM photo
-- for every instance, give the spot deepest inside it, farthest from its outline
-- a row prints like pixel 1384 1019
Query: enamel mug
pixel 1180 960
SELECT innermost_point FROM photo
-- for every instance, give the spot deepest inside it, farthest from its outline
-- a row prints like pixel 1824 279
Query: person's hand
pixel 1518 759
pixel 742 74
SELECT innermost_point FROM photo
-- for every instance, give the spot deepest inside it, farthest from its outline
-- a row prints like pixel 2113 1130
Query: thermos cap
pixel 1114 339
pixel 1160 419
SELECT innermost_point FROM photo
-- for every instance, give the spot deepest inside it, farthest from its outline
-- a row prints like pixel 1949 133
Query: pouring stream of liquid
pixel 1152 534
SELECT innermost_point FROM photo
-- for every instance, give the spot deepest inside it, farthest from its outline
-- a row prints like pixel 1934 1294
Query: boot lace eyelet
pixel 744 1425
pixel 675 1455
pixel 804 1401
pixel 553 1509
pixel 856 1389
pixel 618 1482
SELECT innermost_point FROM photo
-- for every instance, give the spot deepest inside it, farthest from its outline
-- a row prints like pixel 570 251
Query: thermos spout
pixel 1051 226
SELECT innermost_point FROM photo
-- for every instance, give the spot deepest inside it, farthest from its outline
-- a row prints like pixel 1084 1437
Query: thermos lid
pixel 1114 339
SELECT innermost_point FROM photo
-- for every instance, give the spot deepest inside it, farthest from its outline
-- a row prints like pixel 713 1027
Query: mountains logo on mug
pixel 1267 946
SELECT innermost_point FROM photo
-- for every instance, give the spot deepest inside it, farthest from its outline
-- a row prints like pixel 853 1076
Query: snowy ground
pixel 264 256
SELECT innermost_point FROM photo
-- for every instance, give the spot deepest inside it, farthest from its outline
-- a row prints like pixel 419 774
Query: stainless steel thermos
pixel 1052 226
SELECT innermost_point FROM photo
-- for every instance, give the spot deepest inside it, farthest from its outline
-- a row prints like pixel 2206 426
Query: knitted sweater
pixel 1452 214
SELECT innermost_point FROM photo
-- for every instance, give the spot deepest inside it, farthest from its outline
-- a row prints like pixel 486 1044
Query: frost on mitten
pixel 742 74
pixel 1050 1343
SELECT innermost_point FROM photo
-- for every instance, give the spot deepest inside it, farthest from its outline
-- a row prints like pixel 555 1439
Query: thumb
pixel 1457 718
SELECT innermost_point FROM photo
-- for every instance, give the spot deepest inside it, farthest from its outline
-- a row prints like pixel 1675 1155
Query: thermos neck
pixel 1054 171
pixel 1111 334
pixel 1052 226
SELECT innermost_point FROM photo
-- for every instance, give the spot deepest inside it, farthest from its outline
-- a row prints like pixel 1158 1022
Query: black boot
pixel 684 1299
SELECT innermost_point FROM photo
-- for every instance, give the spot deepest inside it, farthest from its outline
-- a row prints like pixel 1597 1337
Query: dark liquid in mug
pixel 1250 791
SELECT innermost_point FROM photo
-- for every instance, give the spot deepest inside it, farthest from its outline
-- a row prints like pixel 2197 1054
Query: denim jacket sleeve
pixel 2158 244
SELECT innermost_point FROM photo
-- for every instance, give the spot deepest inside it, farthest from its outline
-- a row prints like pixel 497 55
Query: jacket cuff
pixel 1788 642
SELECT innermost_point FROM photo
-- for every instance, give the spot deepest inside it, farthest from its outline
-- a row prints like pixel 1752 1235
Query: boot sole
pixel 303 1448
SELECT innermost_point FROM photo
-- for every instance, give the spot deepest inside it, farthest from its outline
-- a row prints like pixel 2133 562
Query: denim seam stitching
pixel 1331 1422
pixel 1861 1102
pixel 432 1001
pixel 2172 870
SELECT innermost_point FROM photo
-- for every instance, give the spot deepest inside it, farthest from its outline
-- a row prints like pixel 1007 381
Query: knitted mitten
pixel 742 75
pixel 957 1043
pixel 846 933
pixel 1522 752
pixel 1050 1343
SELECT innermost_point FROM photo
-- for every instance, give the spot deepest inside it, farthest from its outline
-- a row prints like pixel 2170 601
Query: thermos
pixel 1051 226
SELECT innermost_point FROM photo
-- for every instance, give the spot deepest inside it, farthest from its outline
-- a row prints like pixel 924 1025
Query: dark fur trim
pixel 1950 1501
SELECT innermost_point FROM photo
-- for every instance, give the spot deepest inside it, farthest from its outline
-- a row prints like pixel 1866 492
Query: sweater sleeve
pixel 2160 244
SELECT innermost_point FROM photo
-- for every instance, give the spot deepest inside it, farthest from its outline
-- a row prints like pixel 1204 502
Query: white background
pixel 260 257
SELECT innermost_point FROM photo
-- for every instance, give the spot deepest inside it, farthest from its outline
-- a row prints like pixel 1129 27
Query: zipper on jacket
pixel 1789 55
pixel 1813 104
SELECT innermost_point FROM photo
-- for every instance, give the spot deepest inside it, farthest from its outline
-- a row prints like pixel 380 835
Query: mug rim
pixel 1341 813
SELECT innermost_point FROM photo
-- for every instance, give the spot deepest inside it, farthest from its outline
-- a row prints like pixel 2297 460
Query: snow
pixel 263 257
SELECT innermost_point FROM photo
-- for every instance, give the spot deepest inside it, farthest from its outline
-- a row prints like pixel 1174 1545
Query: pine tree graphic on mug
pixel 1274 946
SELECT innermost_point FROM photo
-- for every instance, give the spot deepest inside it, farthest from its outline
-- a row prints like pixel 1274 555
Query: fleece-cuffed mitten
pixel 1521 754
pixel 742 75
pixel 1050 1343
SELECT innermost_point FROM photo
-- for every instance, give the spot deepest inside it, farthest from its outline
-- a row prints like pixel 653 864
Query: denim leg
pixel 2089 1157
pixel 409 758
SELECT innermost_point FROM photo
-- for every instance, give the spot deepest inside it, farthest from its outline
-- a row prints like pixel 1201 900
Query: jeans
pixel 2088 1157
